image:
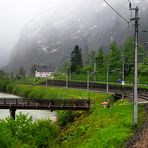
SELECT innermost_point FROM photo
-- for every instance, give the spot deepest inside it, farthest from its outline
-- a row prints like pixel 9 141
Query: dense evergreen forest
pixel 119 60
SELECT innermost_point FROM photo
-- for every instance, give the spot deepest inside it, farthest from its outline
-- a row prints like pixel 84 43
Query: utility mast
pixel 136 19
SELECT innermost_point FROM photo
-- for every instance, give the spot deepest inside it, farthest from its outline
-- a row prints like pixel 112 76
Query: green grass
pixel 30 80
pixel 103 128
pixel 98 128
pixel 30 91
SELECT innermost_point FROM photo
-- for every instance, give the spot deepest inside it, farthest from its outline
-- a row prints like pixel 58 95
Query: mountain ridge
pixel 50 41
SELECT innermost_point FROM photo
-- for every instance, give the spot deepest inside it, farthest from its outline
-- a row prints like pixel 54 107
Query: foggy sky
pixel 14 14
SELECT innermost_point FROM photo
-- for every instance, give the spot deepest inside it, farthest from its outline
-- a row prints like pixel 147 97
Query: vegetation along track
pixel 139 140
pixel 93 86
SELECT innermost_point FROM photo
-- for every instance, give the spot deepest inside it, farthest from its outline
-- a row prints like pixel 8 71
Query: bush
pixel 21 90
pixel 65 117
pixel 45 133
pixel 3 85
pixel 16 90
pixel 36 92
pixel 6 139
pixel 24 91
pixel 24 132
pixel 10 88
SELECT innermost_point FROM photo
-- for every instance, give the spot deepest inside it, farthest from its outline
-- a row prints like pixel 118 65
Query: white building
pixel 43 72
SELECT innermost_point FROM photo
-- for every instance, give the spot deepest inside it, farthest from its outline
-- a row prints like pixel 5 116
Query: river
pixel 36 114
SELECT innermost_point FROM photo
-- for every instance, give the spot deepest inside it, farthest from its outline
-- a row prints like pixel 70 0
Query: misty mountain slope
pixel 50 38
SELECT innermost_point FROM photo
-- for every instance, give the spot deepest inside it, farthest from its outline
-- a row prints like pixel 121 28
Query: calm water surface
pixel 36 114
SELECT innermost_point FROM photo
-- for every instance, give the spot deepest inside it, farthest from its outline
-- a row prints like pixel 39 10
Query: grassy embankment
pixel 98 128
pixel 103 128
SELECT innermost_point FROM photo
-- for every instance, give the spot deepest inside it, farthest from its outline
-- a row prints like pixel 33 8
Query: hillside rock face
pixel 50 38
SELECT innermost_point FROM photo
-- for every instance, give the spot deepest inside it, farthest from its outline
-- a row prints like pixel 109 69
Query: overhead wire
pixel 117 12
pixel 128 22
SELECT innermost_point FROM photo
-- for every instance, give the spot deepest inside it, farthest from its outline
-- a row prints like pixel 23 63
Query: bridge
pixel 43 104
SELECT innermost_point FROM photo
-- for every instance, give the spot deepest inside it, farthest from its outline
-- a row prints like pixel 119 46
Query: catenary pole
pixel 136 19
pixel 107 79
pixel 122 76
pixel 136 69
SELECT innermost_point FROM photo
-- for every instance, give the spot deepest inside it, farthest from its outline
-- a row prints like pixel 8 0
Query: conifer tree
pixel 76 60
pixel 22 72
pixel 114 56
pixel 100 58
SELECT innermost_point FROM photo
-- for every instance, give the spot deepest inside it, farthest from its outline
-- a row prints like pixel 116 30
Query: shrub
pixel 45 133
pixel 23 132
pixel 65 117
pixel 6 139
pixel 24 91
pixel 10 88
pixel 21 90
pixel 3 85
pixel 36 92
pixel 16 89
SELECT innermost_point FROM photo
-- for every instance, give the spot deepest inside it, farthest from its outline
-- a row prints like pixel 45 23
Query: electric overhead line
pixel 117 12
pixel 128 22
pixel 130 32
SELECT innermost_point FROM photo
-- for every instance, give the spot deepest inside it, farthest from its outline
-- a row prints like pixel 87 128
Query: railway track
pixel 139 140
pixel 118 89
pixel 144 96
pixel 92 85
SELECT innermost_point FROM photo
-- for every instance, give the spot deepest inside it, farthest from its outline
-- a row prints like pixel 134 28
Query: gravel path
pixel 140 139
